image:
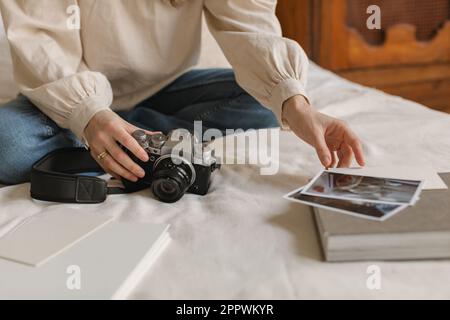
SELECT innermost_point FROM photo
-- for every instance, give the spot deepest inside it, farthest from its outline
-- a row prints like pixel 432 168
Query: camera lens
pixel 167 190
pixel 170 180
pixel 168 187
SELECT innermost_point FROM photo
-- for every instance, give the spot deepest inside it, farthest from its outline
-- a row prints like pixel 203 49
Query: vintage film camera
pixel 171 174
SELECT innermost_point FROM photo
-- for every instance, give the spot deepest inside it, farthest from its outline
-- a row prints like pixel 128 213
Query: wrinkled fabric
pixel 125 51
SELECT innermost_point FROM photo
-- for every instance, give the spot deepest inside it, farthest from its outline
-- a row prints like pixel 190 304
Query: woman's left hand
pixel 334 141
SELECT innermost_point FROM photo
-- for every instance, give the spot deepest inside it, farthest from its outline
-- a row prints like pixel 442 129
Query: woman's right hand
pixel 103 133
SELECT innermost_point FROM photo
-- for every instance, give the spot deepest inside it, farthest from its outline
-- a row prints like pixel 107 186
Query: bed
pixel 242 240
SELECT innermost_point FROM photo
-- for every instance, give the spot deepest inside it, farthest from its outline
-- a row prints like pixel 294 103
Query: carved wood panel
pixel 399 46
pixel 409 56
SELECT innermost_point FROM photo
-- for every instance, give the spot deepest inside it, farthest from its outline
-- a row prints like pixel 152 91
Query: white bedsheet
pixel 244 241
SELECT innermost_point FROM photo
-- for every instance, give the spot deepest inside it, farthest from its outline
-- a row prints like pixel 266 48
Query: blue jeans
pixel 210 95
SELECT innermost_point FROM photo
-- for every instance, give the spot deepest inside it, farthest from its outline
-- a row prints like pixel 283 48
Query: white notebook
pixel 107 264
pixel 45 235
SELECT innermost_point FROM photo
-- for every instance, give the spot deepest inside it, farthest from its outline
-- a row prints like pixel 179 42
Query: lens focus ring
pixel 170 180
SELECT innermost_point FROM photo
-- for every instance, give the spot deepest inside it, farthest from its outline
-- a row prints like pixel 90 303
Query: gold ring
pixel 102 155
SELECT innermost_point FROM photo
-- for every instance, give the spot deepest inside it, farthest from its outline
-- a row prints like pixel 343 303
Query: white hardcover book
pixel 42 237
pixel 107 264
pixel 419 232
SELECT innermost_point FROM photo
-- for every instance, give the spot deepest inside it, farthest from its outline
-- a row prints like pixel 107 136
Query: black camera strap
pixel 58 177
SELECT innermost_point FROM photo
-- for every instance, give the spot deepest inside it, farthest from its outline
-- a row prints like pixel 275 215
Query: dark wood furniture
pixel 409 56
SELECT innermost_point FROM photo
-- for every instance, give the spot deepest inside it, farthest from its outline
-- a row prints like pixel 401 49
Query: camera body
pixel 176 165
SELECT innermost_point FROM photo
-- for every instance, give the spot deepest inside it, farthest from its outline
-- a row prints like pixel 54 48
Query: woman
pixel 135 57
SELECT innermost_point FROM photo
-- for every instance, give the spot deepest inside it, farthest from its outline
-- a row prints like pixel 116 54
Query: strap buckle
pixel 90 190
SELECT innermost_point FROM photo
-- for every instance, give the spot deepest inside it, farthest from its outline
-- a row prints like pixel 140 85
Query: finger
pixel 152 133
pixel 123 159
pixel 131 144
pixel 332 149
pixel 352 140
pixel 322 151
pixel 345 156
pixel 334 159
pixel 117 177
pixel 112 167
pixel 106 170
pixel 131 128
pixel 116 168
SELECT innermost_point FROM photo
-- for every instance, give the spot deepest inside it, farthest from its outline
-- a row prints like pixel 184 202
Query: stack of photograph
pixel 400 221
pixel 361 196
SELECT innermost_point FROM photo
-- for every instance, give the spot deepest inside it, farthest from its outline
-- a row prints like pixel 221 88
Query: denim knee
pixel 24 135
pixel 15 162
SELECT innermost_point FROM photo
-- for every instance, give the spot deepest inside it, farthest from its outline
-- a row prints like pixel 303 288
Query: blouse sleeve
pixel 269 67
pixel 48 63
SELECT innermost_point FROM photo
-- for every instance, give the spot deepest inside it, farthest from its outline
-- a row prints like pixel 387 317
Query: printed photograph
pixel 361 209
pixel 365 188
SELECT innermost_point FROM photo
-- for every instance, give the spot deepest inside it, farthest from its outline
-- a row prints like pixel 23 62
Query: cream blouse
pixel 127 50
